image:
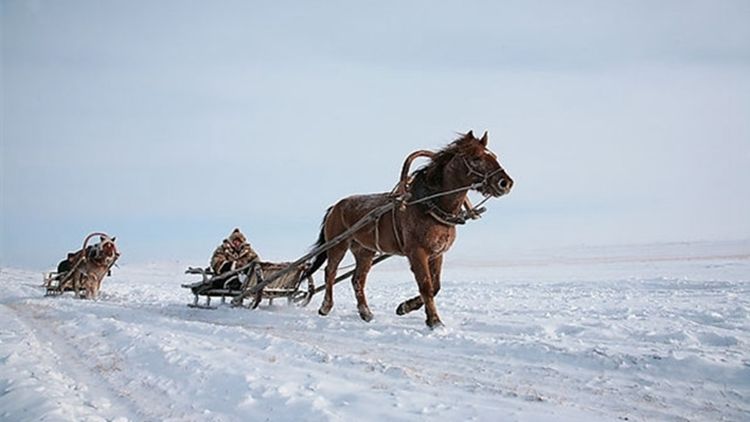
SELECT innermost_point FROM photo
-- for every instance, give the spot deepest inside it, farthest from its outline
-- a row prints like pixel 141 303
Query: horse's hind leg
pixel 436 265
pixel 409 305
pixel 363 258
pixel 335 255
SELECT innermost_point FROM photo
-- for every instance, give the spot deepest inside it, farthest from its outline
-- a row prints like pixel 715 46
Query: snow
pixel 655 332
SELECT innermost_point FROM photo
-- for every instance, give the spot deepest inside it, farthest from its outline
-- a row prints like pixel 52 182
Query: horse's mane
pixel 429 177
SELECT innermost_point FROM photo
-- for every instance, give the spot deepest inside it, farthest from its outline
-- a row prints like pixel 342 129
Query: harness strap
pixel 445 217
pixel 441 220
pixel 399 239
pixel 377 235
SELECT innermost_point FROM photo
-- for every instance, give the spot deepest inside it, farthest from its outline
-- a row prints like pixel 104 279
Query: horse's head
pixel 481 166
pixel 108 248
pixel 103 251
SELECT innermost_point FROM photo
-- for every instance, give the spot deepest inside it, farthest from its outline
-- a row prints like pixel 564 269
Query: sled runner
pixel 83 271
pixel 237 283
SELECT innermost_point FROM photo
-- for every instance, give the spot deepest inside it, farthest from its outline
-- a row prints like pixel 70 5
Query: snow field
pixel 592 339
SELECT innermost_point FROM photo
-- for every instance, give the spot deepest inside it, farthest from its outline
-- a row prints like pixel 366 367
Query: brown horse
pixel 422 231
pixel 90 265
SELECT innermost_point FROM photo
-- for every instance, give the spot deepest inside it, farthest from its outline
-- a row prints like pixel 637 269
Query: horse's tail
pixel 323 256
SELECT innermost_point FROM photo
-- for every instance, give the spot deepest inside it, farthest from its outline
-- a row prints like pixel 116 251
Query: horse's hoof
pixel 325 308
pixel 401 310
pixel 435 324
pixel 366 316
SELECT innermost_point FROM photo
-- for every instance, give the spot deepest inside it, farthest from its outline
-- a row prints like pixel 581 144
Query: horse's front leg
pixel 436 268
pixel 95 284
pixel 78 281
pixel 420 266
pixel 436 265
pixel 89 287
pixel 99 285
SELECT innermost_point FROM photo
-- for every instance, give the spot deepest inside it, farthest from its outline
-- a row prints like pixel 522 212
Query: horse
pixel 90 265
pixel 422 230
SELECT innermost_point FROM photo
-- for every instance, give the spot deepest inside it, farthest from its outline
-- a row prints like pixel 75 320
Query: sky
pixel 169 123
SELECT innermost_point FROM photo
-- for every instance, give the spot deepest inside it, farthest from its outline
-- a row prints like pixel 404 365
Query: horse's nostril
pixel 503 183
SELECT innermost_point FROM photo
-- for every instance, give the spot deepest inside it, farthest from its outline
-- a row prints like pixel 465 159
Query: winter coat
pixel 226 255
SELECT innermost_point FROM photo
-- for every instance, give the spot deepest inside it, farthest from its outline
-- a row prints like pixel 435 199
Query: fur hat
pixel 237 234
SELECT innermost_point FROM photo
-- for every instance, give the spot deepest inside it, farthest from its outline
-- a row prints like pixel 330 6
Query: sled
pixel 238 283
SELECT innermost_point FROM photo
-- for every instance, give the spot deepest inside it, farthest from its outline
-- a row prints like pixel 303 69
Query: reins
pixel 444 193
pixel 446 217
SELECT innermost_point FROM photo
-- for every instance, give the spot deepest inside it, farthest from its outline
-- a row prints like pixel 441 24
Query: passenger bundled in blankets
pixel 233 253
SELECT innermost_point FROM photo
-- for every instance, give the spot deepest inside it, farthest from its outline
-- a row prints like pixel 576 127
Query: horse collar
pixel 442 216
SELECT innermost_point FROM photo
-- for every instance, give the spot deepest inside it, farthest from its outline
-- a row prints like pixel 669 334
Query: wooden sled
pixel 237 283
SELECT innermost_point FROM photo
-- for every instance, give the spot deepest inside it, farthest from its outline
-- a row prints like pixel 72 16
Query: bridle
pixel 451 219
pixel 483 177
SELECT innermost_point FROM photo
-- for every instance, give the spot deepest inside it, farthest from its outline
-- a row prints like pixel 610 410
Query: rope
pixel 448 192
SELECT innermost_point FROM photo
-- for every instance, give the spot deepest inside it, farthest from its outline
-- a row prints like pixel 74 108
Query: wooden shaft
pixel 349 273
pixel 364 221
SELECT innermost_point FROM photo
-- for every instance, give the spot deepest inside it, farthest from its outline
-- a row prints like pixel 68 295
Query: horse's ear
pixel 483 141
pixel 470 134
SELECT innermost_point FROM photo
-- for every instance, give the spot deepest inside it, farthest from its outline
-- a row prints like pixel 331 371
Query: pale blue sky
pixel 169 123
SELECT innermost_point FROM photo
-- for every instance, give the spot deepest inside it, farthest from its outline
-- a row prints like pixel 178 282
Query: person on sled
pixel 233 253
